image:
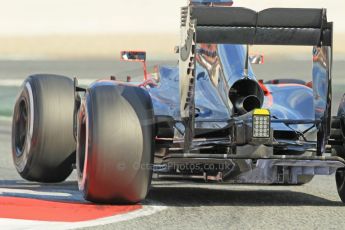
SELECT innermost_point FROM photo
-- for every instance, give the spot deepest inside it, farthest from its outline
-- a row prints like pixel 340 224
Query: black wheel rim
pixel 21 127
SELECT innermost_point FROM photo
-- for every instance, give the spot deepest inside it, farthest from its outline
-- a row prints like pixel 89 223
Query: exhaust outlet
pixel 246 95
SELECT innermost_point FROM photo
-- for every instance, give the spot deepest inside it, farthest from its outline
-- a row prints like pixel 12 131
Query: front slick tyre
pixel 115 144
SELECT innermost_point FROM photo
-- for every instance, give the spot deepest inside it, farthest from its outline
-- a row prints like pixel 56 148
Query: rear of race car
pixel 266 133
pixel 208 119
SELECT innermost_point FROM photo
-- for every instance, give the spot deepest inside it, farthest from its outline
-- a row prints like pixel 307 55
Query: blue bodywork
pixel 288 101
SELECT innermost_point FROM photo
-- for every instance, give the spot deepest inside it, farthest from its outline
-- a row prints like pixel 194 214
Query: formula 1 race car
pixel 206 119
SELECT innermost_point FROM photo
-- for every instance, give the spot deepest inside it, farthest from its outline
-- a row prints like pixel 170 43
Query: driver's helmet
pixel 209 2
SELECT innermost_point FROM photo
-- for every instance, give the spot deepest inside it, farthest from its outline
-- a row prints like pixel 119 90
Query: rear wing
pixel 275 26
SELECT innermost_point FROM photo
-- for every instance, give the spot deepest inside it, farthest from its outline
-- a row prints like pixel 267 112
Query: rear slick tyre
pixel 43 146
pixel 115 144
pixel 340 181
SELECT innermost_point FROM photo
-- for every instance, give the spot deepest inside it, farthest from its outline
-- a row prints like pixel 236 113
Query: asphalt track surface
pixel 169 205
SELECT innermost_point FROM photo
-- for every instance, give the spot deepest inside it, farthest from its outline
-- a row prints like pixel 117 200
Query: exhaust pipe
pixel 246 95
